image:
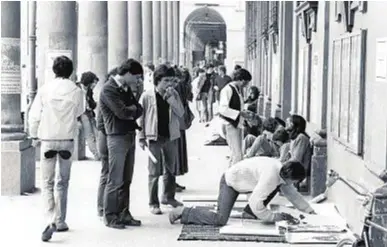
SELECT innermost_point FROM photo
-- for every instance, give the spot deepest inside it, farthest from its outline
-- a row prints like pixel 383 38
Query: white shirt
pixel 225 110
pixel 260 175
pixel 54 112
pixel 148 82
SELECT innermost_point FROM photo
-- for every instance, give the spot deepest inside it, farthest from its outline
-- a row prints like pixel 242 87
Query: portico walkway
pixel 20 217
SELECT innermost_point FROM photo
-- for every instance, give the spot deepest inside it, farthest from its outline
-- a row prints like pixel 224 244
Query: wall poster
pixel 10 66
pixel 381 60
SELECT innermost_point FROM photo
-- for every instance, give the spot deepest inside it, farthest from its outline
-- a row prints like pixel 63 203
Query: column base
pixel 261 105
pixel 267 112
pixel 17 167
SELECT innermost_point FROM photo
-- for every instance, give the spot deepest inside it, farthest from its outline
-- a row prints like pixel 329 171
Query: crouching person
pixel 264 177
pixel 160 128
pixel 53 120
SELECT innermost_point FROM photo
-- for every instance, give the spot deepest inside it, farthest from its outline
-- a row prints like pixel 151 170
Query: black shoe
pixel 131 222
pixel 128 220
pixel 179 190
pixel 115 224
pixel 180 186
pixel 174 203
pixel 47 233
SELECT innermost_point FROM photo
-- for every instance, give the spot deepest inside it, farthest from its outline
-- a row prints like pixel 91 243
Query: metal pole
pixel 32 59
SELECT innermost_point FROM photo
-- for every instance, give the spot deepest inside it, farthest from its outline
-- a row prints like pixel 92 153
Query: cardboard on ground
pixel 208 198
pixel 249 227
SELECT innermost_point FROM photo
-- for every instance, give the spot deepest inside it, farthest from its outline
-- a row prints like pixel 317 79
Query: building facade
pixel 326 61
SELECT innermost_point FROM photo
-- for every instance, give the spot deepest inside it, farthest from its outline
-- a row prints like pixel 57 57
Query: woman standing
pixel 232 113
pixel 184 88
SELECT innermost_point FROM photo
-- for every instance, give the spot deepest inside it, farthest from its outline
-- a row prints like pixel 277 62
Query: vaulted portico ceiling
pixel 207 23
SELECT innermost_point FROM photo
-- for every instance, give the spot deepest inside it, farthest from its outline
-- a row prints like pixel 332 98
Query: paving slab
pixel 21 216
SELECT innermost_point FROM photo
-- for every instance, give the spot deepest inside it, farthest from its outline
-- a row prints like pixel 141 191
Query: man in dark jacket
pixel 120 109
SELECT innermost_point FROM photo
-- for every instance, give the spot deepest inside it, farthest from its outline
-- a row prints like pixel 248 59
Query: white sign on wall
pixel 10 66
pixel 50 57
pixel 381 60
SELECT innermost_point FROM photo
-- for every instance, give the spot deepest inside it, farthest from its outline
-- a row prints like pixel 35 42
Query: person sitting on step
pixel 261 145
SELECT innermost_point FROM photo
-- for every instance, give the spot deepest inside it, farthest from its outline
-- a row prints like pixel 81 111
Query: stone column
pixel 176 31
pixel 286 71
pixel 163 28
pixel 17 155
pixel 118 33
pixel 295 48
pixel 170 54
pixel 156 19
pixel 156 26
pixel 147 36
pixel 92 40
pixel 57 36
pixel 134 30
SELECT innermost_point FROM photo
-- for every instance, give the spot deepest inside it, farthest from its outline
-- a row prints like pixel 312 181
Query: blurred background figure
pixel 88 120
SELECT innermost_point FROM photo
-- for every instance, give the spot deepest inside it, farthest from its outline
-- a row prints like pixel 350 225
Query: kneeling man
pixel 264 177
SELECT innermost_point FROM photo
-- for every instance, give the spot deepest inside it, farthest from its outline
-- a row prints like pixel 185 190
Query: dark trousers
pixel 121 150
pixel 226 200
pixel 103 151
pixel 165 152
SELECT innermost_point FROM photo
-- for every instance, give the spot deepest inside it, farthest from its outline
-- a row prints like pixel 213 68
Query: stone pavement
pixel 21 221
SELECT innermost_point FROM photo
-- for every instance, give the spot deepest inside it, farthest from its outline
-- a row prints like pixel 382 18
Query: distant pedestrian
pixel 221 81
pixel 197 85
pixel 89 126
pixel 120 110
pixel 148 77
pixel 104 152
pixel 160 124
pixel 53 120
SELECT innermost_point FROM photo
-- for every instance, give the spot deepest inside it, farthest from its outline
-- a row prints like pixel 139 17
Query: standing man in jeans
pixel 53 120
pixel 103 150
pixel 160 125
pixel 120 110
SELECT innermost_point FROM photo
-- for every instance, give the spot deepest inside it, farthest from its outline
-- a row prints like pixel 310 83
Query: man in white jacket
pixel 53 121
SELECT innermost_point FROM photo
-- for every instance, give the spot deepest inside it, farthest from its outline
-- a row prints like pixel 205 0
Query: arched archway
pixel 205 36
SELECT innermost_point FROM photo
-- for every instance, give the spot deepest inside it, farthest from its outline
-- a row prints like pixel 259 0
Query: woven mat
pixel 211 233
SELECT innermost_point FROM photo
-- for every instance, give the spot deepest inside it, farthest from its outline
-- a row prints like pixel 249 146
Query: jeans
pixel 103 150
pixel 226 200
pixel 121 149
pixel 234 141
pixel 248 142
pixel 206 106
pixel 90 129
pixel 55 204
pixel 165 151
